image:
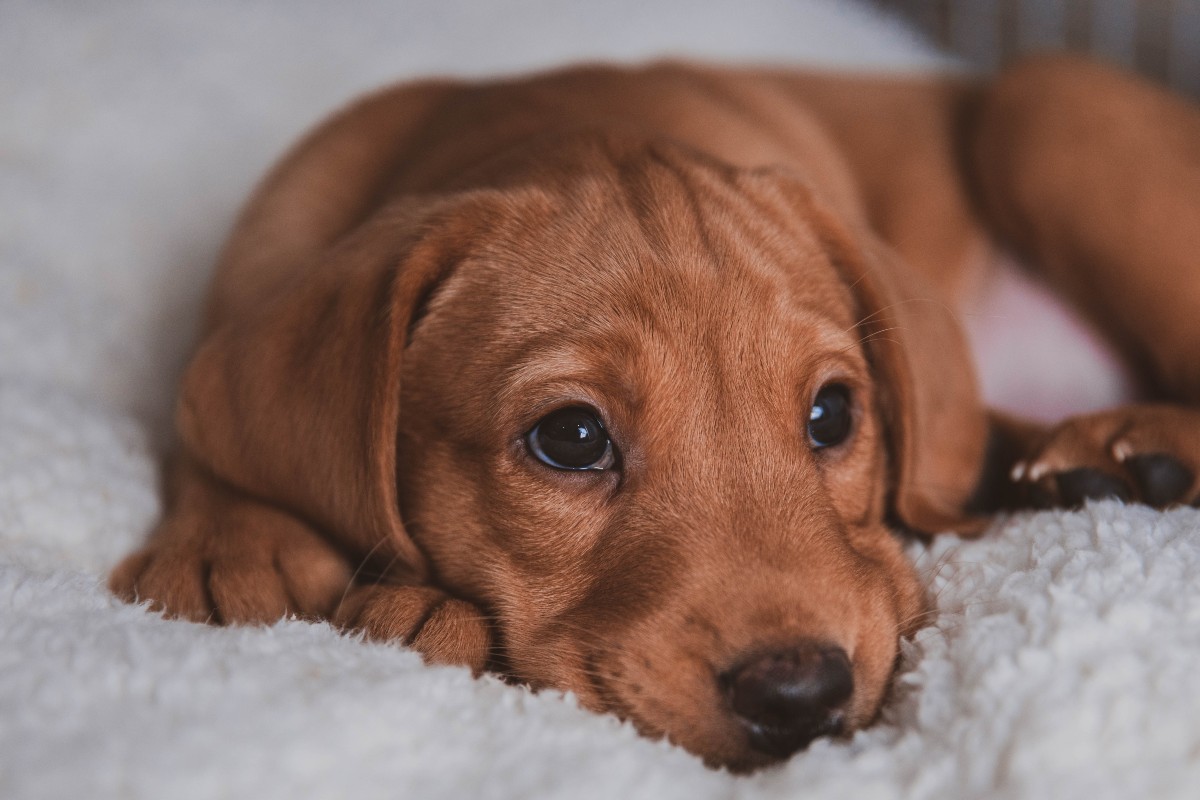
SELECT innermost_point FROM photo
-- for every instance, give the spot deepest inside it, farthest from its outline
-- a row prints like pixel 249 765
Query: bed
pixel 1064 660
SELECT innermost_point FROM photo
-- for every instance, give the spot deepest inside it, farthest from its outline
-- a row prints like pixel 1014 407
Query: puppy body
pixel 694 257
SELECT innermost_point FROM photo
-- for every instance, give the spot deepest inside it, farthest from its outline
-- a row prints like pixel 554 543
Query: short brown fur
pixel 693 253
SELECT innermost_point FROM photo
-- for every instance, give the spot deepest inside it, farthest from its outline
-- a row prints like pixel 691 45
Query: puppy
pixel 625 381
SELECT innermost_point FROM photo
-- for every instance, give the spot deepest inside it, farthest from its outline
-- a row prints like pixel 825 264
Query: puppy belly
pixel 1035 356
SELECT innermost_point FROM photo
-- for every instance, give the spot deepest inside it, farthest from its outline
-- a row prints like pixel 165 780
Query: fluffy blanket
pixel 1064 660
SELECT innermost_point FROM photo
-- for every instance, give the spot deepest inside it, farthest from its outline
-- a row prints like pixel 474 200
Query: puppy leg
pixel 1095 176
pixel 444 630
pixel 222 557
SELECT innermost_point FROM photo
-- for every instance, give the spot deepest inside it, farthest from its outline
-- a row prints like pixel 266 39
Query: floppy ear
pixel 298 403
pixel 936 425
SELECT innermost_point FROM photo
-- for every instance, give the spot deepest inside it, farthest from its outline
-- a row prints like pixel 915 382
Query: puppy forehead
pixel 679 256
pixel 637 278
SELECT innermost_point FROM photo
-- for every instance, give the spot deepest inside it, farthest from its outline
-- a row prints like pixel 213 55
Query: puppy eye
pixel 571 438
pixel 830 418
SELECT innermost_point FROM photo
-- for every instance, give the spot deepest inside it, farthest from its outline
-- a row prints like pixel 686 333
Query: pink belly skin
pixel 1036 357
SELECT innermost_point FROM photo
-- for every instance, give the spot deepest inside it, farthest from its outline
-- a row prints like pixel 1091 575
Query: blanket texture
pixel 1064 660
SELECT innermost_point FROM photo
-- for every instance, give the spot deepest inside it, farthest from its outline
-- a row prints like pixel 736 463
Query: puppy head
pixel 653 416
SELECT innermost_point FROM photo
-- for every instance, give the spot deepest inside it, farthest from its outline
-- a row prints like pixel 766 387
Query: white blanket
pixel 1064 662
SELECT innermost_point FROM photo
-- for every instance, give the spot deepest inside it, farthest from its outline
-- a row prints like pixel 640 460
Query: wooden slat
pixel 1160 38
pixel 1114 24
pixel 1041 25
pixel 975 31
pixel 1184 73
pixel 1153 38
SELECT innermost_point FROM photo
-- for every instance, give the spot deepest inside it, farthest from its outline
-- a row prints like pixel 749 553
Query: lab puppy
pixel 625 381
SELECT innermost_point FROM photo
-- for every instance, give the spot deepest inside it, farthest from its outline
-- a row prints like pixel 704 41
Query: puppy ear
pixel 298 404
pixel 936 425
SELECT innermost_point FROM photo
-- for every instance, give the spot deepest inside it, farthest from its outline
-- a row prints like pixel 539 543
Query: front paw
pixel 253 567
pixel 1142 454
pixel 443 629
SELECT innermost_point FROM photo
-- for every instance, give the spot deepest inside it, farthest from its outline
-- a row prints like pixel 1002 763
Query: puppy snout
pixel 787 698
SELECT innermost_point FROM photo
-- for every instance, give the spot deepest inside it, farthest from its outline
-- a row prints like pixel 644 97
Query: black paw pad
pixel 1077 485
pixel 1160 477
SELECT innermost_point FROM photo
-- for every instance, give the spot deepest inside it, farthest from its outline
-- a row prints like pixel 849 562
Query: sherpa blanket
pixel 1064 660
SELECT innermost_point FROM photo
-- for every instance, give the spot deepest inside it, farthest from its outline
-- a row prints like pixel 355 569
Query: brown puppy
pixel 621 381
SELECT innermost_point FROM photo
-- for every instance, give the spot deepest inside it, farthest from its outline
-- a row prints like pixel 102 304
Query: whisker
pixel 897 304
pixel 355 574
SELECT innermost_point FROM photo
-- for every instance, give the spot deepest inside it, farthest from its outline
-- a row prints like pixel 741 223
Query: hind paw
pixel 1146 454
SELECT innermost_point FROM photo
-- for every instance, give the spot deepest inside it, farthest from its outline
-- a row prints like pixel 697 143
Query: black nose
pixel 788 698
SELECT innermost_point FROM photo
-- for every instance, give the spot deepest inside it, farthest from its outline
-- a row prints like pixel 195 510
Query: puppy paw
pixel 1138 454
pixel 252 566
pixel 443 629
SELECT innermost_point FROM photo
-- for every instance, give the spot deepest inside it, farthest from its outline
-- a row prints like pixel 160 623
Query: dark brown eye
pixel 571 438
pixel 829 420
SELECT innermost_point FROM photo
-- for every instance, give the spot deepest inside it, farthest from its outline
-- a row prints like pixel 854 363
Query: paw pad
pixel 1161 479
pixel 1076 486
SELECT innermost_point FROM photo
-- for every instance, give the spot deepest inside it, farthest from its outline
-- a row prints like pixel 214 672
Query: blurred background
pixel 1159 38
pixel 133 129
